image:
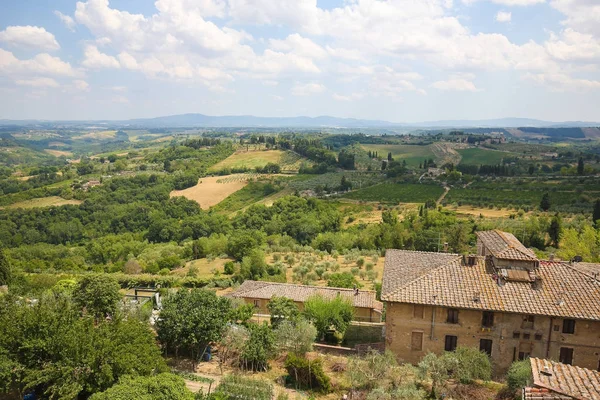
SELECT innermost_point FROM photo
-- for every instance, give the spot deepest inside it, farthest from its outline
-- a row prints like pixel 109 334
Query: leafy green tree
pixel 295 337
pixel 468 364
pixel 163 386
pixel 580 166
pixel 253 265
pixel 342 280
pixel 192 319
pixel 545 202
pixel 98 295
pixel 53 350
pixel 307 374
pixel 596 213
pixel 259 348
pixel 5 269
pixel 326 314
pixel 282 309
pixel 241 243
pixel 555 230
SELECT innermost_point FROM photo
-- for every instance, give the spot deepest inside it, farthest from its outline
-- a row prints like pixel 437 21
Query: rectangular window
pixel 556 328
pixel 527 322
pixel 526 336
pixel 485 345
pixel 450 343
pixel 418 311
pixel 257 303
pixel 568 326
pixel 516 335
pixel 566 355
pixel 416 342
pixel 538 336
pixel 488 319
pixel 523 355
pixel 452 316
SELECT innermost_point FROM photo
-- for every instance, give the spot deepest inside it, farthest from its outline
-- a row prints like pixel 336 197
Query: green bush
pixel 307 374
pixel 467 364
pixel 519 374
pixel 229 268
pixel 162 386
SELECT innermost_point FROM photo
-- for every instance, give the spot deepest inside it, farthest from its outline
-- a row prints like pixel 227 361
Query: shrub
pixel 519 374
pixel 142 387
pixel 282 309
pixel 229 268
pixel 468 364
pixel 295 337
pixel 307 374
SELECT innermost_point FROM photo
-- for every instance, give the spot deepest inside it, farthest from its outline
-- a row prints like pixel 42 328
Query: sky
pixel 393 60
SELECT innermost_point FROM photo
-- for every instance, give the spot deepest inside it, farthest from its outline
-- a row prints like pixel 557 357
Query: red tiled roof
pixel 564 381
pixel 300 293
pixel 505 245
pixel 443 279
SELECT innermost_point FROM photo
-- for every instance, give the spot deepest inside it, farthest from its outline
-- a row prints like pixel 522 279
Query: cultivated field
pixel 212 190
pixel 43 202
pixel 412 154
pixel 249 159
pixel 482 156
pixel 58 153
pixel 397 193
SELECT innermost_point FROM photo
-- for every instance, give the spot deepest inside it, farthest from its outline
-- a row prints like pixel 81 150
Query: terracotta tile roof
pixel 588 268
pixel 505 245
pixel 300 293
pixel 565 380
pixel 530 393
pixel 444 280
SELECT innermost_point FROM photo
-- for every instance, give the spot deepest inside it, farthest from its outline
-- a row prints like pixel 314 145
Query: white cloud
pixel 564 83
pixel 38 82
pixel 571 45
pixel 29 37
pixel 67 20
pixel 503 16
pixel 582 15
pixel 299 45
pixel 276 97
pixel 349 97
pixel 510 2
pixel 97 60
pixel 41 64
pixel 307 89
pixel 455 84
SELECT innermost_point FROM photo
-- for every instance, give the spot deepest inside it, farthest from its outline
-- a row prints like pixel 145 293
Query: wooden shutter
pixel 418 311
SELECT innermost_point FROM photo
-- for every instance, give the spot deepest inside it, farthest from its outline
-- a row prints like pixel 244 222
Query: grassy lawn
pixel 413 155
pixel 482 156
pixel 397 193
pixel 249 159
pixel 205 267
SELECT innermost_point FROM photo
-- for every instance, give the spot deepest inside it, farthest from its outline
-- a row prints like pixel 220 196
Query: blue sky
pixel 397 60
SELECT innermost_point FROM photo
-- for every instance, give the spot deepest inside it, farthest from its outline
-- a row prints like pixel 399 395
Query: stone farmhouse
pixel 503 301
pixel 556 381
pixel 366 307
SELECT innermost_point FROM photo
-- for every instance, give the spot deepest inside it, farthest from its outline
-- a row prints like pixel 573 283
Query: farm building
pixel 556 381
pixel 366 307
pixel 438 301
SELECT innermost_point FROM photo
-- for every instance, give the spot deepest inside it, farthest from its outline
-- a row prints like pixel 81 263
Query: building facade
pixel 258 293
pixel 509 309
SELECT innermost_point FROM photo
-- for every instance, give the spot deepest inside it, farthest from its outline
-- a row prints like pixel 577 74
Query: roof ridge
pixel 420 277
pixel 424 252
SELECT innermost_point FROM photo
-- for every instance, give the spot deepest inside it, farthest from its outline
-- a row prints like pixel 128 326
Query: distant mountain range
pixel 240 121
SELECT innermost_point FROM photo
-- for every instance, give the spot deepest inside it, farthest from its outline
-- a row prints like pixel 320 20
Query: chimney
pixel 551 258
pixel 445 247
